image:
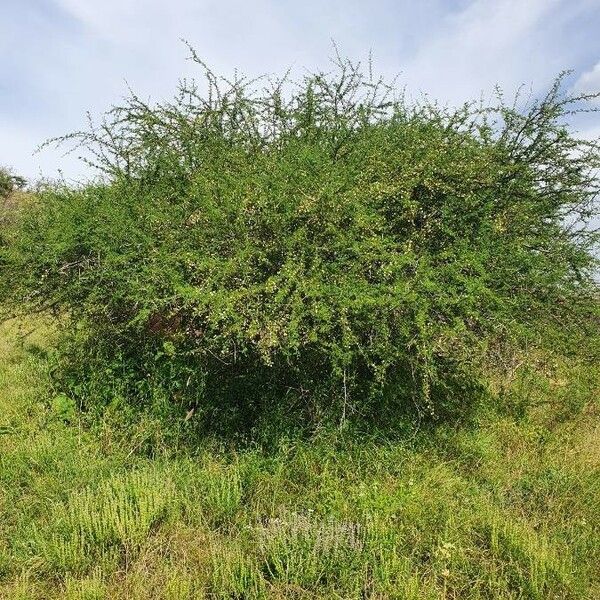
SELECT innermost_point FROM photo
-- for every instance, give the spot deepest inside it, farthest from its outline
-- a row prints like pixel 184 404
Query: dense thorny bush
pixel 321 239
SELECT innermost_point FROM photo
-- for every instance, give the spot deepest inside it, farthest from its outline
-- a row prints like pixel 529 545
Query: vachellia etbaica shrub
pixel 256 240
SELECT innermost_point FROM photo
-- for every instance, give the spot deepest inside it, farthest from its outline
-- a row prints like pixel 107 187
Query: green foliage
pixel 63 407
pixel 323 241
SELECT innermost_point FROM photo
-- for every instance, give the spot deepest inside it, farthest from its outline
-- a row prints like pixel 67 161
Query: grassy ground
pixel 504 506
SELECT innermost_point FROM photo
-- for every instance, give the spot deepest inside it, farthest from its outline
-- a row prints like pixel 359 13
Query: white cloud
pixel 489 42
pixel 589 81
pixel 591 133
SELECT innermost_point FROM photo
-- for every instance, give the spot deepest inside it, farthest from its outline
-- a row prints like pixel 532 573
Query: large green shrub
pixel 324 239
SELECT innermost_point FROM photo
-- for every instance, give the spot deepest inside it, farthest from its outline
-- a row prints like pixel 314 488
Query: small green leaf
pixel 63 407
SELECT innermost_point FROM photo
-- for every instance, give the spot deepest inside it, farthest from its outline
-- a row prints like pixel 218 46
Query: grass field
pixel 504 505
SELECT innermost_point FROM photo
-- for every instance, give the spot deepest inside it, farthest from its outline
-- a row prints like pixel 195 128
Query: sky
pixel 60 59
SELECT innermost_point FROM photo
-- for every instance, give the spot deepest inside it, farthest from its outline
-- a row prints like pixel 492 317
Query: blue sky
pixel 61 58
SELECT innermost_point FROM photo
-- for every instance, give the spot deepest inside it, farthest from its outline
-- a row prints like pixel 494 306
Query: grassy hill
pixel 503 505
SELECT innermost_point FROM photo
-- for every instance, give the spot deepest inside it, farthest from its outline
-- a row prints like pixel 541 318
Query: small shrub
pixel 219 492
pixel 303 551
pixel 234 574
pixel 100 525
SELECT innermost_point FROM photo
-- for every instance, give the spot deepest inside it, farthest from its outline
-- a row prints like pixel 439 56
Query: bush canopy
pixel 325 238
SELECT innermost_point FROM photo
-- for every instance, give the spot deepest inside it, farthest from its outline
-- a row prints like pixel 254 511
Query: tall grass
pixel 504 505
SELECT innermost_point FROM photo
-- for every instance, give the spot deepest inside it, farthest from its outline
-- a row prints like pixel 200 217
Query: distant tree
pixel 9 182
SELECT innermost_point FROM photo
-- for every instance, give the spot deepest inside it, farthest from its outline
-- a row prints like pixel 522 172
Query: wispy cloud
pixel 487 42
pixel 589 81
